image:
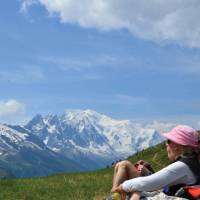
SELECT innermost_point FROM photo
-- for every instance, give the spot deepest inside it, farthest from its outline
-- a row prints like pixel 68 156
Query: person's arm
pixel 174 173
pixel 135 196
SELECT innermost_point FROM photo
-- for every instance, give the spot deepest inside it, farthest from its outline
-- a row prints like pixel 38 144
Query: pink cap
pixel 184 135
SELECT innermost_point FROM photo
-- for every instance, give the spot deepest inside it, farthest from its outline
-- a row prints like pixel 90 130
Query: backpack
pixel 189 192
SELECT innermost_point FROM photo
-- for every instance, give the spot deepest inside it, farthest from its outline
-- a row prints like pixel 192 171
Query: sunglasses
pixel 168 142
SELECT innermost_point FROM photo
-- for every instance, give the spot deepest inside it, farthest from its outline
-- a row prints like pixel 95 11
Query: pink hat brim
pixel 179 140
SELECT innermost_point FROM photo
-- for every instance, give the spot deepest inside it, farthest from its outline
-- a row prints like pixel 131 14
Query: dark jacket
pixel 194 165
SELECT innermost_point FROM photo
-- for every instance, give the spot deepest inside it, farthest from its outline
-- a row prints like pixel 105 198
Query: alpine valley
pixel 78 140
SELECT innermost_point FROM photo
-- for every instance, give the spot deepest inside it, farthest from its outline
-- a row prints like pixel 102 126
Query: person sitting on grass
pixel 181 146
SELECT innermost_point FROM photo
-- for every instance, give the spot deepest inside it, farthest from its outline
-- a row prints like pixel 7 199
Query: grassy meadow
pixel 93 185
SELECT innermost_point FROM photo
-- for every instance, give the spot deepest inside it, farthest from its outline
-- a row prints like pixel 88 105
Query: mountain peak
pixel 87 112
pixel 37 118
pixel 11 135
pixel 82 116
pixel 87 134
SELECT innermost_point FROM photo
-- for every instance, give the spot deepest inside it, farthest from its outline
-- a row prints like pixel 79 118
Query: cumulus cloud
pixel 156 20
pixel 26 4
pixel 11 107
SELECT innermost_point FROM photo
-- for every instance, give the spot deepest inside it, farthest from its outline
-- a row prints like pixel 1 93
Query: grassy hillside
pixel 74 186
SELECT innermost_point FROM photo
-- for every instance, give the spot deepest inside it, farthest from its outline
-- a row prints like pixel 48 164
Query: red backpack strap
pixel 194 191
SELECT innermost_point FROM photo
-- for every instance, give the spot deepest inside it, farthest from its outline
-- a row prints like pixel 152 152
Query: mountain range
pixel 77 140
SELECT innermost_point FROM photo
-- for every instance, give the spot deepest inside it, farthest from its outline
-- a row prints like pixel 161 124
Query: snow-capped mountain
pixel 23 154
pixel 92 139
pixel 12 139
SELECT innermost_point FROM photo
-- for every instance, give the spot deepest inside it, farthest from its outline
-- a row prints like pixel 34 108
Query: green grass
pixel 74 186
pixel 89 185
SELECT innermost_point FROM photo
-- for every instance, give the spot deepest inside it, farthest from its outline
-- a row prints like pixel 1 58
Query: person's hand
pixel 143 168
pixel 141 162
pixel 120 190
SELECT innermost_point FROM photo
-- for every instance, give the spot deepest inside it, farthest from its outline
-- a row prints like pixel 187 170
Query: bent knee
pixel 124 163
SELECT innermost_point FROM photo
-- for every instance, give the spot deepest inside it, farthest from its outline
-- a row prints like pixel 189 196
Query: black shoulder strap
pixel 193 163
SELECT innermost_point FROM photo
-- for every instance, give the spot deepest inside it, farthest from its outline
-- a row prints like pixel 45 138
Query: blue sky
pixel 128 60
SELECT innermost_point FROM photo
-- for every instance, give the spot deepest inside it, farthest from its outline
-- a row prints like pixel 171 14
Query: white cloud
pixel 161 127
pixel 11 107
pixel 157 20
pixel 166 123
pixel 165 126
pixel 26 4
